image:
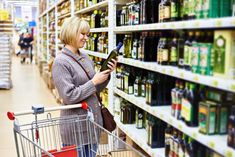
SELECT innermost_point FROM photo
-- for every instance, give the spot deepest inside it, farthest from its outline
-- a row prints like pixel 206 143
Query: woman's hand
pixel 101 77
pixel 112 65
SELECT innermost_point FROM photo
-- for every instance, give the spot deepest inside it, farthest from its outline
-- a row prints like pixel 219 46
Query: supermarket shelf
pixel 97 30
pixel 6 25
pixel 63 16
pixel 224 84
pixel 216 142
pixel 96 54
pixel 228 22
pixel 139 136
pixel 91 8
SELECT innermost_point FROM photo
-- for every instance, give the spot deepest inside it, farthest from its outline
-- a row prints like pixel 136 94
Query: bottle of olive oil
pixel 113 55
pixel 137 86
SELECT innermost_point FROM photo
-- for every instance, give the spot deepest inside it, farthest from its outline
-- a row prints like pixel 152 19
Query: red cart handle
pixel 12 115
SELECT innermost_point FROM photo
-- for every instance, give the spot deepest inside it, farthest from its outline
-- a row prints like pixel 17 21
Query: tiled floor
pixel 28 88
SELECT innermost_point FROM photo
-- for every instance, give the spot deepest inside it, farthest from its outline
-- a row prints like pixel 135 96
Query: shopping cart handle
pixel 12 115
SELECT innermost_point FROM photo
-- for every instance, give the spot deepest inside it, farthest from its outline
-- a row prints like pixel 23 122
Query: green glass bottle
pixel 137 86
pixel 113 55
pixel 127 46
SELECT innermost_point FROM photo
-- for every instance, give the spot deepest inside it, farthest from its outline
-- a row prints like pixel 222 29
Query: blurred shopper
pixel 26 46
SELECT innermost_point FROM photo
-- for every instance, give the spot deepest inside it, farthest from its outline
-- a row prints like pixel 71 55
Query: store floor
pixel 28 89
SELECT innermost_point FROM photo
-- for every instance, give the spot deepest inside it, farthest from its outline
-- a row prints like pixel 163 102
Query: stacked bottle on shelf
pixel 81 4
pixel 157 11
pixel 98 42
pixel 155 88
pixel 179 144
pixel 64 8
pixel 97 19
pixel 160 134
pixel 202 52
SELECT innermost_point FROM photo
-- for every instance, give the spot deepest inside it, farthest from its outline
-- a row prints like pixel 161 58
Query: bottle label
pixel 187 109
pixel 171 146
pixel 204 52
pixel 126 84
pixel 165 54
pixel 143 90
pixel 173 10
pixel 150 93
pixel 119 83
pixel 130 90
pixel 186 54
pixel 167 139
pixel 195 54
pixel 173 54
pixel 134 52
pixel 147 93
pixel 135 89
pixel 176 147
pixel 167 12
pixel 223 120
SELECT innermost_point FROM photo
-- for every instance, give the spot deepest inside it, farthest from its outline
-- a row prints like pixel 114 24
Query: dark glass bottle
pixel 175 10
pixel 179 96
pixel 145 48
pixel 154 11
pixel 113 55
pixel 129 81
pixel 135 47
pixel 140 45
pixel 165 52
pixel 159 51
pixel 231 128
pixel 137 86
pixel 180 55
pixel 167 10
pixel 151 90
pixel 174 51
pixel 181 152
pixel 143 86
pixel 168 134
pixel 127 46
pixel 139 118
pixel 174 98
pixel 188 51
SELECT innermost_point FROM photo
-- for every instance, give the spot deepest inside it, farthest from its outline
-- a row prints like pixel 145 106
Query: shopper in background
pixel 26 46
pixel 20 43
pixel 72 82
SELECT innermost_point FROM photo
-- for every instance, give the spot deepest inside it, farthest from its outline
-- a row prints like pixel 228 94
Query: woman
pixel 71 80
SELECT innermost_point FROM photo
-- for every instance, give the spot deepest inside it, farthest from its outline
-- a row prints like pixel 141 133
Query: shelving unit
pixel 224 84
pixel 227 22
pixel 217 143
pixel 92 8
pixel 140 137
pixel 96 54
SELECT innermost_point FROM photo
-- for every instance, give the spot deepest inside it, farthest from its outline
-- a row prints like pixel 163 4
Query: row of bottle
pixel 52 15
pixel 153 11
pixel 159 134
pixel 203 52
pixel 179 144
pixel 155 88
pixel 98 19
pixel 98 43
pixel 81 4
pixel 64 8
pixel 202 106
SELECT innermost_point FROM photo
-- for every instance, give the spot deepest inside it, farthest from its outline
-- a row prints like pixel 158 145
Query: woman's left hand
pixel 112 65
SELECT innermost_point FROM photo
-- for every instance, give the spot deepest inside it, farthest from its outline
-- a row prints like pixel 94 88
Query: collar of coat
pixel 78 56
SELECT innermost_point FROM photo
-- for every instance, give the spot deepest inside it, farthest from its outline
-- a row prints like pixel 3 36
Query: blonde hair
pixel 71 28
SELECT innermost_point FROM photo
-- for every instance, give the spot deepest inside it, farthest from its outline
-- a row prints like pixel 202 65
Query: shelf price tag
pixel 218 23
pixel 195 78
pixel 211 144
pixel 197 24
pixel 172 25
pixel 233 87
pixel 164 26
pixel 233 22
pixel 164 71
pixel 194 135
pixel 214 83
pixel 180 126
pixel 181 75
pixel 171 72
pixel 229 153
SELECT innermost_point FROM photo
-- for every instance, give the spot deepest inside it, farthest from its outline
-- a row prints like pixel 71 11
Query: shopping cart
pixel 42 137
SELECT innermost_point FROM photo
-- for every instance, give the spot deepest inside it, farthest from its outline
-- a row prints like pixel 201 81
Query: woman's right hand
pixel 101 77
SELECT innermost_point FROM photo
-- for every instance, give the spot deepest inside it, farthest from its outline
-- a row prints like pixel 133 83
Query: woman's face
pixel 81 39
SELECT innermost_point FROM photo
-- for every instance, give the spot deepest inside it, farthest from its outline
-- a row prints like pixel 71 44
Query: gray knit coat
pixel 74 87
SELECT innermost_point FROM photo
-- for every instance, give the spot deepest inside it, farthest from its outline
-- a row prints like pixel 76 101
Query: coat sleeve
pixel 63 81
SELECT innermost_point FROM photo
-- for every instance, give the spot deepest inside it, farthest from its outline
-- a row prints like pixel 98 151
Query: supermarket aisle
pixel 28 88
